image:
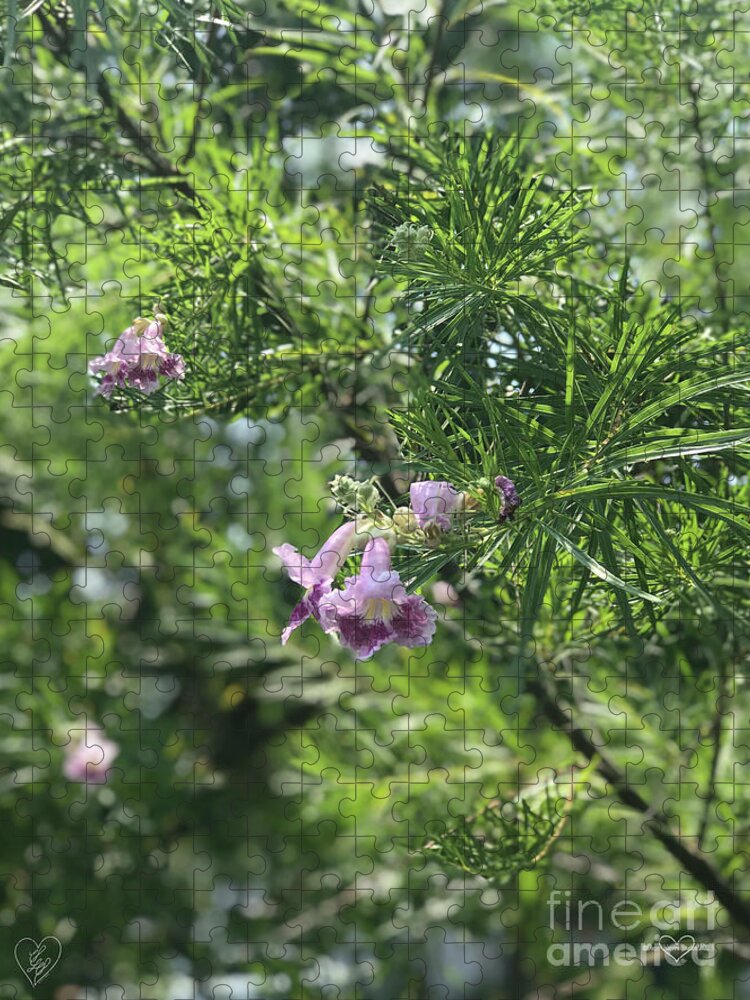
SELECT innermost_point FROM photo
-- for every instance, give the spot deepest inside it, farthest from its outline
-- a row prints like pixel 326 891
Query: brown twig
pixel 691 858
pixel 141 139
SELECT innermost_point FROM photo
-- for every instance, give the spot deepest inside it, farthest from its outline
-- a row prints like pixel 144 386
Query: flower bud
pixel 405 521
pixel 350 494
pixel 433 503
pixel 509 497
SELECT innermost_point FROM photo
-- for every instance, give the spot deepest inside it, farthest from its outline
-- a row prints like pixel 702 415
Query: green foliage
pixel 494 237
pixel 641 386
pixel 505 839
pixel 386 246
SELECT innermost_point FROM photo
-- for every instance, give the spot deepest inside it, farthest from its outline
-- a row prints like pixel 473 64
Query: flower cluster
pixel 370 610
pixel 373 608
pixel 138 359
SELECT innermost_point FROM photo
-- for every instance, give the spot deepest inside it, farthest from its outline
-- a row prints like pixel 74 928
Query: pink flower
pixel 308 607
pixel 115 364
pixel 138 358
pixel 317 574
pixel 324 566
pixel 374 608
pixel 432 503
pixel 89 759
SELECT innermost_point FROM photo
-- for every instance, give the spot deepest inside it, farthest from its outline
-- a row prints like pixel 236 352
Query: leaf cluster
pixel 505 838
pixel 622 422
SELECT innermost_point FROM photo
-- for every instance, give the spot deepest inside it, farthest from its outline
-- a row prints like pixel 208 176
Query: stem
pixel 143 141
pixel 708 215
pixel 693 861
pixel 716 736
pixel 202 85
pixel 723 321
pixel 431 71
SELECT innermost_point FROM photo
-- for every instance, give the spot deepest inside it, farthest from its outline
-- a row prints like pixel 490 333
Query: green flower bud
pixel 355 496
pixel 411 240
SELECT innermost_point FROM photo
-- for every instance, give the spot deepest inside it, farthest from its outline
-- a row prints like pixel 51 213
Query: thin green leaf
pixel 596 567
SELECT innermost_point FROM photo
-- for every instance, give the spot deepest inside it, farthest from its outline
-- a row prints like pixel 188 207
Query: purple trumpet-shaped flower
pixel 324 566
pixel 90 758
pixel 315 575
pixel 115 365
pixel 511 500
pixel 374 608
pixel 433 503
pixel 307 608
pixel 138 358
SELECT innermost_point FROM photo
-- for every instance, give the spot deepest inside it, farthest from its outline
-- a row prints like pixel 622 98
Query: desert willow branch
pixel 692 859
pixel 142 141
